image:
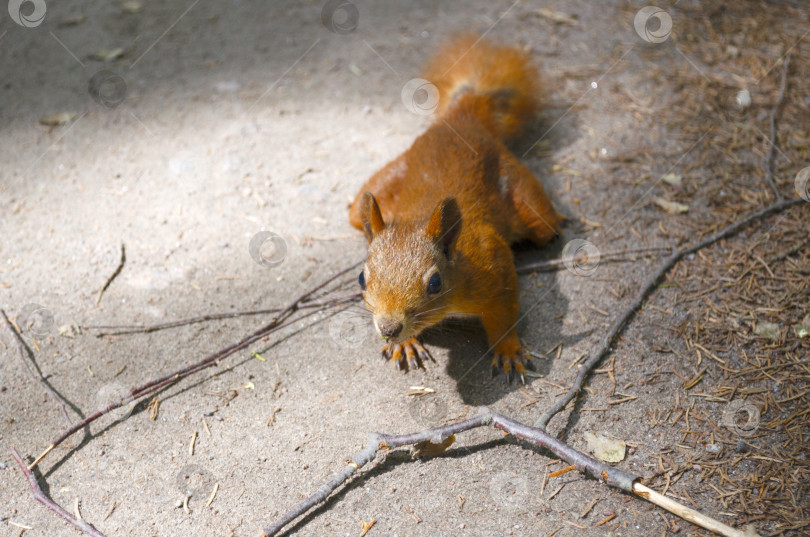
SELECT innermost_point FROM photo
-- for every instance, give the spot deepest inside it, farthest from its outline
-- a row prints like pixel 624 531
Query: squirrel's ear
pixel 445 224
pixel 371 216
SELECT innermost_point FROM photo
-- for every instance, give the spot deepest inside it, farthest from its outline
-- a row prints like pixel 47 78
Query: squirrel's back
pixel 487 94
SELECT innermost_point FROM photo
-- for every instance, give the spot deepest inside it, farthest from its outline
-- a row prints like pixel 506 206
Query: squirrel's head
pixel 407 281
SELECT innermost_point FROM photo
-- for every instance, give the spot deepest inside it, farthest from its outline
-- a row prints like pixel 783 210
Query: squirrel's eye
pixel 434 284
pixel 362 281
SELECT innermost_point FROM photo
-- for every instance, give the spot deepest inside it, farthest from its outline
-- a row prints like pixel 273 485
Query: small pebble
pixel 3 466
pixel 714 448
pixel 743 98
pixel 178 503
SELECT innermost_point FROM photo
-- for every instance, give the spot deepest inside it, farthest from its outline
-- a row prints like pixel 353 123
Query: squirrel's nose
pixel 389 327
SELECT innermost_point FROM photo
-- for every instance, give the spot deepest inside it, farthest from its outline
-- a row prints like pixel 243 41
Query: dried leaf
pixel 803 328
pixel 767 330
pixel 557 16
pixel 73 20
pixel 366 526
pixel 70 330
pixel 55 120
pixel 672 207
pixel 674 179
pixel 604 447
pixel 429 449
pixel 131 6
pixel 107 55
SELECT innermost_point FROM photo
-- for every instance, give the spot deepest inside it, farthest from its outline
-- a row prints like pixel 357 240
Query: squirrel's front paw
pixel 409 350
pixel 518 361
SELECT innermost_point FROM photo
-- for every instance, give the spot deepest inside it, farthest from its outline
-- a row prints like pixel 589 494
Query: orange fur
pixel 502 79
pixel 453 204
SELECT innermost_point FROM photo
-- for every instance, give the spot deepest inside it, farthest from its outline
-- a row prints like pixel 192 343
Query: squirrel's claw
pixel 519 362
pixel 410 355
pixel 410 352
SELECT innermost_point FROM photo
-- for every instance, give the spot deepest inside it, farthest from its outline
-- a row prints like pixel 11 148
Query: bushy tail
pixel 498 84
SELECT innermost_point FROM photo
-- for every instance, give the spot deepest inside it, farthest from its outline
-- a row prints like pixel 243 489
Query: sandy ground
pixel 221 120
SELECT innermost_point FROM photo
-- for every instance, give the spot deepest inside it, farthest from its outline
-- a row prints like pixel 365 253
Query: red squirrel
pixel 440 218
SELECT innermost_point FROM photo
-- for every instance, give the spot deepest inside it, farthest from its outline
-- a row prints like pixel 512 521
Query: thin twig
pixel 208 361
pixel 42 498
pixel 606 257
pixel 26 351
pixel 114 274
pixel 328 300
pixel 650 285
pixel 121 330
pixel 771 156
pixel 583 463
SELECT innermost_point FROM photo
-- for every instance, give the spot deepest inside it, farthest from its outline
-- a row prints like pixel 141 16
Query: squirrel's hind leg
pixel 537 220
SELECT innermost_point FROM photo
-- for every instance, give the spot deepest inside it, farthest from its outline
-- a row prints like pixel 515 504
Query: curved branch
pixel 651 284
pixel 584 463
pixel 208 361
pixel 42 498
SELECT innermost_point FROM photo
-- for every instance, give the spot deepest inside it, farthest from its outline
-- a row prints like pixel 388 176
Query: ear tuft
pixel 370 216
pixel 445 224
